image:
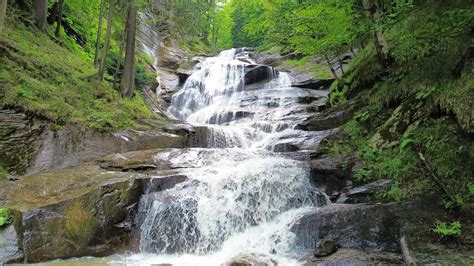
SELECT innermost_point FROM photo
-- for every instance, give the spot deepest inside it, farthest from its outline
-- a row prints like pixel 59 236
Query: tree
pixel 99 33
pixel 40 13
pixel 3 13
pixel 127 85
pixel 100 75
pixel 373 11
pixel 59 18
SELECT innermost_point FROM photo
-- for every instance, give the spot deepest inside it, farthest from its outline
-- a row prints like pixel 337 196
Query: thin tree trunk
pixel 3 13
pixel 374 14
pixel 99 33
pixel 334 74
pixel 407 257
pixel 59 18
pixel 117 66
pixel 40 13
pixel 127 86
pixel 108 34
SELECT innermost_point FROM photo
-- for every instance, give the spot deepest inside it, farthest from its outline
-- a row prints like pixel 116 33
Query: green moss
pixel 3 173
pixel 448 229
pixel 80 225
pixel 309 65
pixel 194 46
pixel 53 81
pixel 5 218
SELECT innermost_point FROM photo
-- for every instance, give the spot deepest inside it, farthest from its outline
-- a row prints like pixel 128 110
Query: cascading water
pixel 241 196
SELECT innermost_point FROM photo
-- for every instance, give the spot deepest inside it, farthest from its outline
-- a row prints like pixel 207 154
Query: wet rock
pixel 20 140
pixel 169 82
pixel 137 160
pixel 170 55
pixel 248 260
pixel 74 217
pixel 365 193
pixel 326 248
pixel 346 256
pixel 359 226
pixel 327 120
pixel 271 59
pixel 74 145
pixel 229 116
pixel 285 147
pixel 258 73
pixel 329 173
pixel 30 145
pixel 153 236
pixel 315 84
pixel 9 245
pixel 160 183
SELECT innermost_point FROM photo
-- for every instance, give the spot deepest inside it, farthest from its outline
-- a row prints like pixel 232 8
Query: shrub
pixel 5 218
pixel 448 230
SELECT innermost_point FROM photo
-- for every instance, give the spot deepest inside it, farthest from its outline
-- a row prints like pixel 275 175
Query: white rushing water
pixel 241 197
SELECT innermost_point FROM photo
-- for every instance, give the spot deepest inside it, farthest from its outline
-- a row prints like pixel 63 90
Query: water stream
pixel 242 196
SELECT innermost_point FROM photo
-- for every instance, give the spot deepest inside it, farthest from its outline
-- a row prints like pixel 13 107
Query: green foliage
pixel 448 230
pixel 395 193
pixel 3 173
pixel 34 79
pixel 5 218
pixel 309 65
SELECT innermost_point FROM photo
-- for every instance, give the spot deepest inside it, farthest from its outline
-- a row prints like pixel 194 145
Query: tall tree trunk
pixel 59 18
pixel 99 33
pixel 40 13
pixel 117 66
pixel 374 13
pixel 108 34
pixel 334 74
pixel 3 13
pixel 127 86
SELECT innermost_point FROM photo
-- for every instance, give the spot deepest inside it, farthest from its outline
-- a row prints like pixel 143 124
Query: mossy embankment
pixel 53 78
pixel 414 121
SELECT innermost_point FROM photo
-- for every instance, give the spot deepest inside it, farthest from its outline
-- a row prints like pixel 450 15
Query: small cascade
pixel 241 196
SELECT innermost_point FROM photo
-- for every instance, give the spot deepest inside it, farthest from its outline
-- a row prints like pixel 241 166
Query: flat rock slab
pixel 358 226
pixel 74 212
pixel 349 257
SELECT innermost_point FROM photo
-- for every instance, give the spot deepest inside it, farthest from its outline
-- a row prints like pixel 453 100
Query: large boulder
pixel 20 140
pixel 329 173
pixel 82 211
pixel 364 193
pixel 351 226
pixel 315 84
pixel 329 119
pixel 73 212
pixel 362 226
pixel 9 245
pixel 258 73
pixel 30 145
pixel 170 55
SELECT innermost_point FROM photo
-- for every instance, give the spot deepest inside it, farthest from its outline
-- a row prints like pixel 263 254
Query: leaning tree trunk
pixel 127 86
pixel 59 18
pixel 108 34
pixel 99 33
pixel 40 13
pixel 374 13
pixel 3 13
pixel 328 61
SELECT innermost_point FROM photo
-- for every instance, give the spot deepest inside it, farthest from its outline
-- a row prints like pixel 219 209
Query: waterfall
pixel 241 196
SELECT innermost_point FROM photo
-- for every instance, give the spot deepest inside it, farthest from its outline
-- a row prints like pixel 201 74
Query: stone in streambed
pixel 326 248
